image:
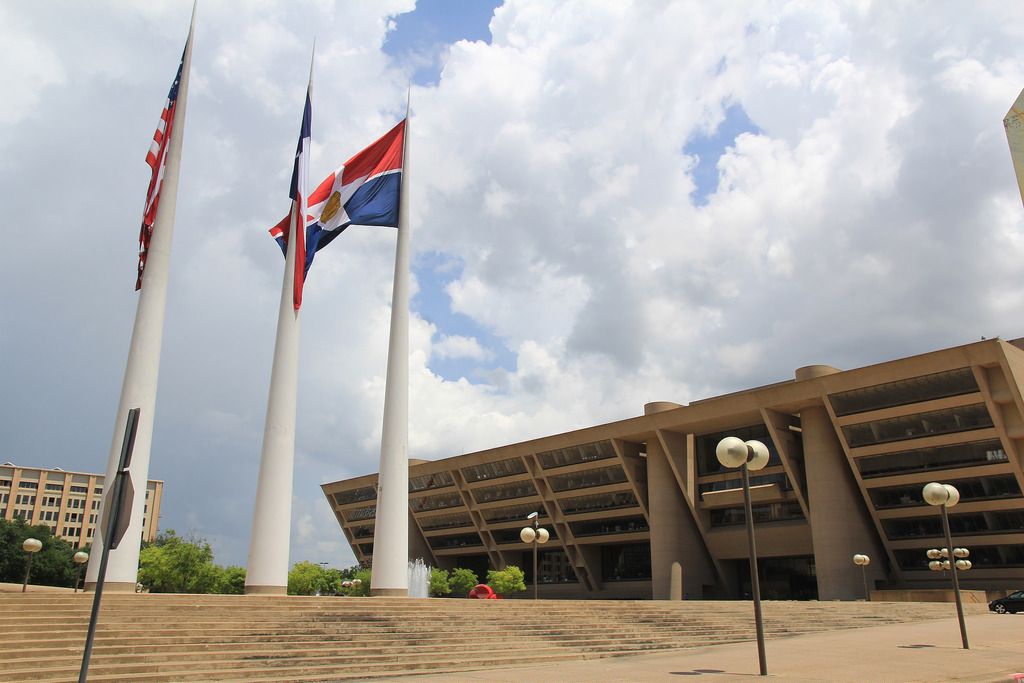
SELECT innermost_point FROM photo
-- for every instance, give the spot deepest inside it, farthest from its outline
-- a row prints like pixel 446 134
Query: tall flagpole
pixel 138 389
pixel 270 539
pixel 391 533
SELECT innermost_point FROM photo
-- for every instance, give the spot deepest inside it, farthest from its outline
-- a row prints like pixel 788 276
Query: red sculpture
pixel 482 591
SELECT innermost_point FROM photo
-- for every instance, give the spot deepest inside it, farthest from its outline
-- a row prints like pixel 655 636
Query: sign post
pixel 116 515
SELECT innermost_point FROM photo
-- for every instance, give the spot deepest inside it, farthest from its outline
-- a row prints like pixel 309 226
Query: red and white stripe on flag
pixel 157 160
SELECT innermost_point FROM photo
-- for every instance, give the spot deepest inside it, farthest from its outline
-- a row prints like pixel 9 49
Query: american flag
pixel 157 160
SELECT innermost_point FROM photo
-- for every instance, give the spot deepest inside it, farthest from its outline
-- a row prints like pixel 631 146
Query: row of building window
pixel 938 458
pixel 494 470
pixel 960 524
pixel 974 488
pixel 772 512
pixel 952 420
pixel 573 455
pixel 904 392
pixel 778 478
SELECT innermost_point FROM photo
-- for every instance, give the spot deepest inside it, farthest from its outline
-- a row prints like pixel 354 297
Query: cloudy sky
pixel 612 203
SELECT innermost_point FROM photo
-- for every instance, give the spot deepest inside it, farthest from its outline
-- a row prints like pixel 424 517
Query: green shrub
pixel 439 582
pixel 506 581
pixel 461 581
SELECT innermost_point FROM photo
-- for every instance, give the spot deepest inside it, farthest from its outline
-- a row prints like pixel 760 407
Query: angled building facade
pixel 629 503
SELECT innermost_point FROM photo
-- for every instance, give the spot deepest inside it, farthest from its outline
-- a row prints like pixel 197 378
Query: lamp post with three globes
pixel 946 496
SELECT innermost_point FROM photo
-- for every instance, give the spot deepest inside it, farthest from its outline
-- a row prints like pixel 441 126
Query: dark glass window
pixel 772 512
pixel 977 488
pixel 961 419
pixel 494 470
pixel 587 478
pixel 362 531
pixel 425 482
pixel 361 513
pixel 553 566
pixel 511 512
pixel 600 501
pixel 517 489
pixel 436 502
pixel 707 463
pixel 959 524
pixel 629 562
pixel 458 541
pixel 450 521
pixel 938 458
pixel 729 484
pixel 28 485
pixel 355 495
pixel 904 392
pixel 366 548
pixel 599 527
pixel 576 454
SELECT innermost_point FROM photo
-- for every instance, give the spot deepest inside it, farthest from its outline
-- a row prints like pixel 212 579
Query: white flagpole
pixel 138 389
pixel 391 532
pixel 270 539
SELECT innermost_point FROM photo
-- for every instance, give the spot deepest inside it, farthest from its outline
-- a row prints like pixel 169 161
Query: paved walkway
pixel 929 651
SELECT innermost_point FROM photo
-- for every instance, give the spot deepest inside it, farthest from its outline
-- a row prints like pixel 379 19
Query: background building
pixel 850 453
pixel 67 502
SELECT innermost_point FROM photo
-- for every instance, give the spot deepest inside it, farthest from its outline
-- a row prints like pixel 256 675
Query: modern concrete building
pixel 67 502
pixel 850 453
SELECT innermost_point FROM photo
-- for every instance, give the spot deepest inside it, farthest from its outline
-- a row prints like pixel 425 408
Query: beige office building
pixel 67 502
pixel 850 453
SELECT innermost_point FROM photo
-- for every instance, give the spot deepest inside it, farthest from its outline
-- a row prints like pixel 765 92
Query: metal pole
pixel 864 573
pixel 536 525
pixel 754 581
pixel 956 582
pixel 28 569
pixel 114 507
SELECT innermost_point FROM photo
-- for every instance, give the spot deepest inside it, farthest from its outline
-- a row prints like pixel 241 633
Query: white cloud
pixel 459 346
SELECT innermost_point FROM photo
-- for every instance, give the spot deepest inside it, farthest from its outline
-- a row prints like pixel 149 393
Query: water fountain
pixel 419 579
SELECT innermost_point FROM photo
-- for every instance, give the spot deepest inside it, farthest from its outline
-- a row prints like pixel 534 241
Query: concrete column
pixel 840 527
pixel 674 537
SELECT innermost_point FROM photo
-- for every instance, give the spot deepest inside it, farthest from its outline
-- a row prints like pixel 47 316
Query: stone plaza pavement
pixel 929 651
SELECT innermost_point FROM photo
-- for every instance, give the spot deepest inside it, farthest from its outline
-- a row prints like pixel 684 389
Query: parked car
pixel 1014 602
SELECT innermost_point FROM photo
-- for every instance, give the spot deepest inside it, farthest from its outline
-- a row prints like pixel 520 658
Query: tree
pixel 304 578
pixel 439 582
pixel 231 580
pixel 51 566
pixel 506 581
pixel 172 564
pixel 461 581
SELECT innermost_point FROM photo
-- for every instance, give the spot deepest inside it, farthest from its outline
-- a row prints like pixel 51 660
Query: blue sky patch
pixel 422 37
pixel 434 271
pixel 709 149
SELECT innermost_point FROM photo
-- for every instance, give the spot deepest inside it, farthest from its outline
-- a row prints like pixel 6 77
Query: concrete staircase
pixel 240 638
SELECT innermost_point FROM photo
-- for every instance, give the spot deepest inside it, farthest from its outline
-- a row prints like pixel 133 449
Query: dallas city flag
pixel 365 190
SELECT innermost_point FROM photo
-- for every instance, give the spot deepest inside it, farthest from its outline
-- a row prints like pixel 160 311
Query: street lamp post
pixel 30 546
pixel 80 558
pixel 946 496
pixel 534 535
pixel 748 455
pixel 863 561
